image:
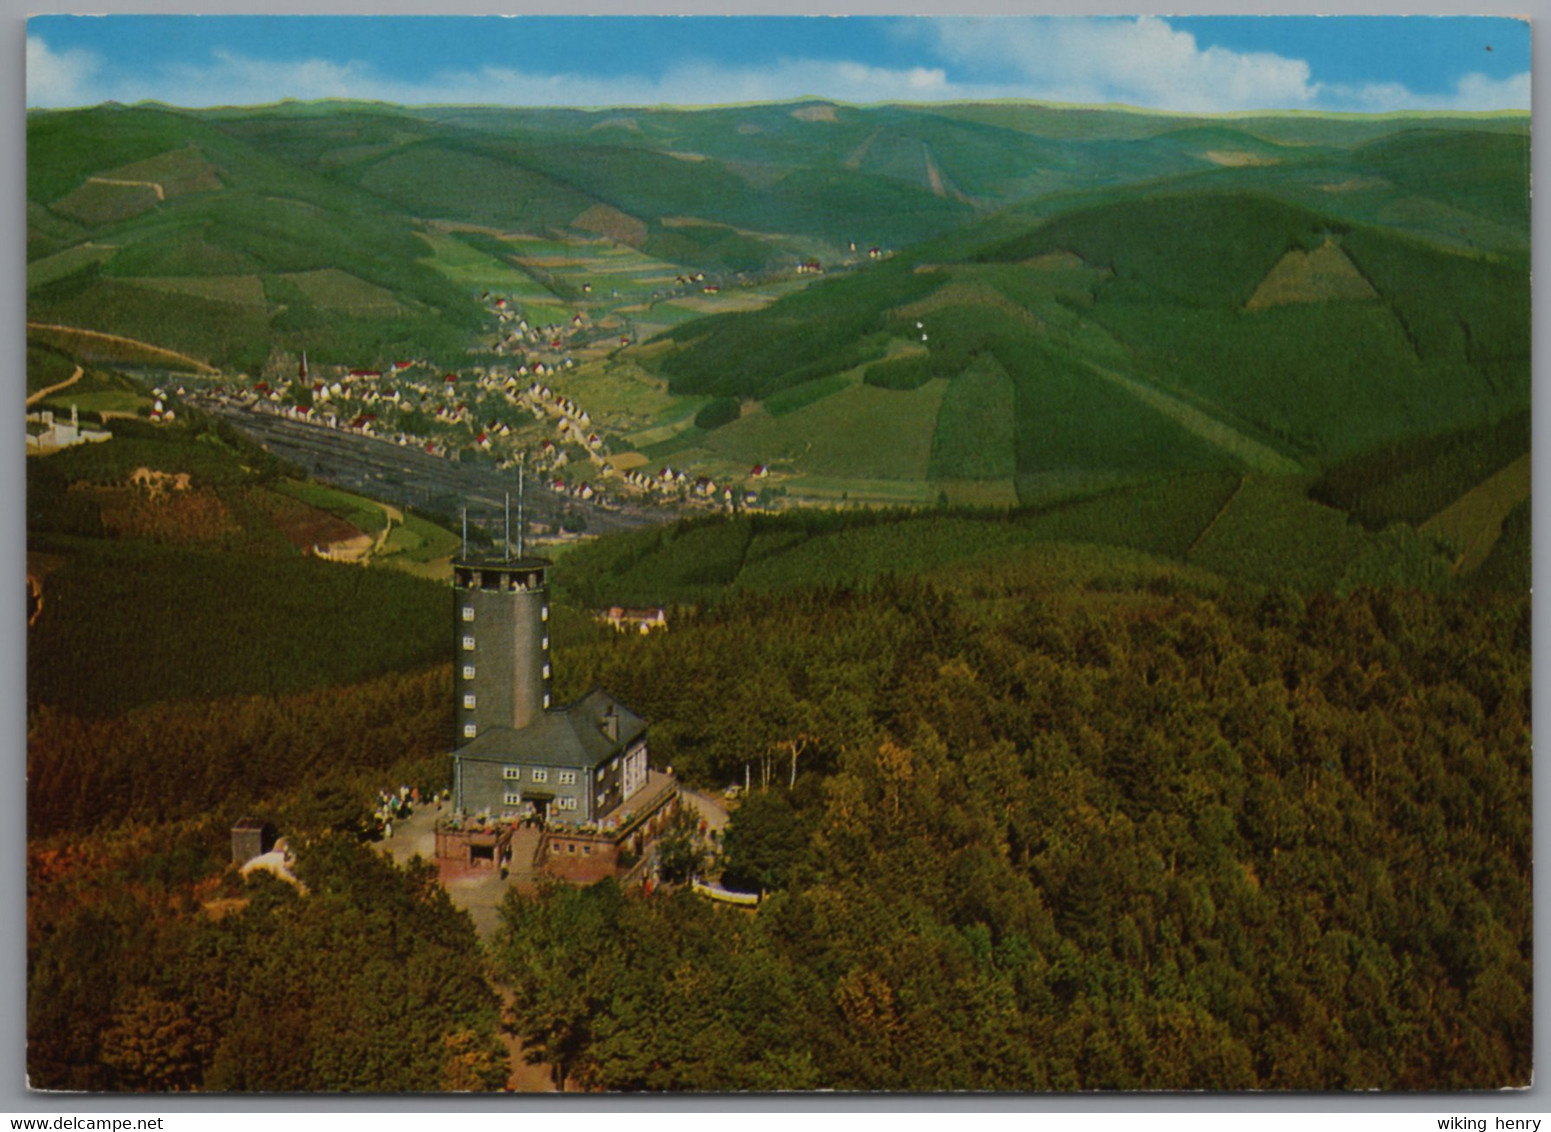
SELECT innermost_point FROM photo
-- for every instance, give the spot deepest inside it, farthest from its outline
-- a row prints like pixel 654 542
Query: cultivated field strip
pixel 1475 519
pixel 1254 454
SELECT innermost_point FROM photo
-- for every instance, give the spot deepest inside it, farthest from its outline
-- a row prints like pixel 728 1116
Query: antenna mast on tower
pixel 519 508
pixel 508 546
pixel 465 530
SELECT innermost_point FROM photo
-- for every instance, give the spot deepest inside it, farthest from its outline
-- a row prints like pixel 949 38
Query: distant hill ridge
pixel 1152 292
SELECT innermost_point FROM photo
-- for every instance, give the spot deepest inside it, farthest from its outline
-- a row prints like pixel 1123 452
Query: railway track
pixel 411 477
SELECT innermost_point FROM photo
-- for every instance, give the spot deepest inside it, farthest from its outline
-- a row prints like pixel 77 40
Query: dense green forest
pixel 367 981
pixel 1264 530
pixel 1140 834
pixel 1094 840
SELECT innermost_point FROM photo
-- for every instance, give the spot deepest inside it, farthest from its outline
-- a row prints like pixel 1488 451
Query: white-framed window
pixel 546 672
pixel 470 730
pixel 543 613
pixel 546 699
pixel 540 774
pixel 468 613
pixel 600 774
pixel 468 642
pixel 601 797
pixel 567 778
pixel 512 799
pixel 511 773
pixel 545 643
pixel 565 803
pixel 468 699
pixel 468 672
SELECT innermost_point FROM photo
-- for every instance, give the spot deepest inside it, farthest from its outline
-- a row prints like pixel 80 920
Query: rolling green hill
pixel 118 195
pixel 1162 332
pixel 1020 303
pixel 1203 527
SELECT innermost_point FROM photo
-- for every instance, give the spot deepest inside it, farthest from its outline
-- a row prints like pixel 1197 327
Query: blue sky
pixel 1200 64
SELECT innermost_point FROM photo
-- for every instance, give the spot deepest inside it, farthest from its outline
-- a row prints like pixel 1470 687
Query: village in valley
pixel 512 410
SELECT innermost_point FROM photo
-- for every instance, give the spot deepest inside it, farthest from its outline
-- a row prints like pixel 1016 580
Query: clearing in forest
pixel 1475 520
pixel 239 290
pixel 1323 275
pixel 331 288
pixel 608 221
pixel 859 432
pixel 94 346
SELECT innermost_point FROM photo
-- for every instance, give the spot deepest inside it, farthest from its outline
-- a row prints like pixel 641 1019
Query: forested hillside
pixel 1138 831
pixel 1172 329
pixel 1093 839
pixel 367 981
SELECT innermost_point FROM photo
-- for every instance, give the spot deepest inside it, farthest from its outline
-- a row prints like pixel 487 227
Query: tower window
pixel 468 699
pixel 511 773
pixel 567 778
pixel 470 730
pixel 544 643
pixel 540 774
pixel 468 672
pixel 468 642
pixel 544 613
pixel 546 672
pixel 546 699
pixel 468 613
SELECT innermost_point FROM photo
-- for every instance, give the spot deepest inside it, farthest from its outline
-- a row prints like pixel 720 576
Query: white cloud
pixel 1140 62
pixel 1145 62
pixel 1473 92
pixel 61 78
pixel 230 79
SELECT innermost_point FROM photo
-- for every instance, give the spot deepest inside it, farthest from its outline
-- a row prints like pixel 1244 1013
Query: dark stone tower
pixel 502 645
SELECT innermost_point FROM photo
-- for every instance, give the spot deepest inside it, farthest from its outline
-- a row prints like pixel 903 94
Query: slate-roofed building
pixel 572 764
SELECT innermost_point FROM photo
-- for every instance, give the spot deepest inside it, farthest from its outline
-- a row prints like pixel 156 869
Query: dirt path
pixel 1208 428
pixel 99 336
pixel 65 384
pixel 480 895
pixel 522 1077
pixel 710 809
pixel 1221 511
pixel 395 518
pixel 161 194
pixel 1475 519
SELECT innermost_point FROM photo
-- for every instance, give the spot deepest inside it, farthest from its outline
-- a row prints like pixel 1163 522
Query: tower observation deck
pixel 501 667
